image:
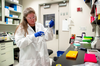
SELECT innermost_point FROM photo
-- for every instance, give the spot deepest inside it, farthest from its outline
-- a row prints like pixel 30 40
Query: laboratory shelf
pixel 8 1
pixel 12 17
pixel 15 11
pixel 8 24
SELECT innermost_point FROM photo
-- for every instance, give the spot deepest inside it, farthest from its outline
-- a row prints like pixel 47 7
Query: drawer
pixel 2 44
pixel 5 45
pixel 6 55
pixel 2 50
pixel 8 44
pixel 7 62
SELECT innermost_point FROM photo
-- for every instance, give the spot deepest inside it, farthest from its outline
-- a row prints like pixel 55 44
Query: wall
pixel 35 5
pixel 20 2
pixel 81 19
pixel 7 28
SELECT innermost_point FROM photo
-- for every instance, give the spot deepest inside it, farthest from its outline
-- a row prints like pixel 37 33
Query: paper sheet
pixel 65 26
pixel 47 22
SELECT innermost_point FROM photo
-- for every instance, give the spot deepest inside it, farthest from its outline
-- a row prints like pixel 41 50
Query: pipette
pixel 45 31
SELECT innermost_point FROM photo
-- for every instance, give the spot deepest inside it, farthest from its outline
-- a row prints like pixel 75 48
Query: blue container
pixel 6 22
pixel 6 19
pixel 59 53
pixel 7 7
pixel 14 6
pixel 10 15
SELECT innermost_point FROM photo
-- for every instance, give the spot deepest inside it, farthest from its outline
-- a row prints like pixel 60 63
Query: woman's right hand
pixel 37 34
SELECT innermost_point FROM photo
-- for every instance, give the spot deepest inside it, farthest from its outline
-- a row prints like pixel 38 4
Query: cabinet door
pixel 6 55
pixel 7 62
pixel 0 10
pixel 6 46
pixel 2 45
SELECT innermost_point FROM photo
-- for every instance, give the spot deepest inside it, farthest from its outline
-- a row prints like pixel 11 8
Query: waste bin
pixel 59 53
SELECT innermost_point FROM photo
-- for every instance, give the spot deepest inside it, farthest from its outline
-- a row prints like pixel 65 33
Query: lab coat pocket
pixel 26 62
pixel 32 62
pixel 45 61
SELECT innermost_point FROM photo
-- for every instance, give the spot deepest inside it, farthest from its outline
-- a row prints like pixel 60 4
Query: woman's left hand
pixel 51 23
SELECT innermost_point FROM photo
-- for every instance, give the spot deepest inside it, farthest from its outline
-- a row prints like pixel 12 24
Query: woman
pixel 29 39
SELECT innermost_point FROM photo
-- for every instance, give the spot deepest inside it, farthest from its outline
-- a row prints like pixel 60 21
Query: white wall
pixel 7 28
pixel 20 2
pixel 80 18
pixel 35 4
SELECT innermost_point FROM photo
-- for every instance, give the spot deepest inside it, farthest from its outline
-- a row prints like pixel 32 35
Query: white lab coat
pixel 33 50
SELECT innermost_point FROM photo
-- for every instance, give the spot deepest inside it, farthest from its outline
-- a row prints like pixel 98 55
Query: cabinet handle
pixel 3 49
pixel 3 53
pixel 3 60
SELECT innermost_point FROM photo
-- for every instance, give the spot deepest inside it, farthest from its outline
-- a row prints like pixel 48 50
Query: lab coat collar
pixel 31 28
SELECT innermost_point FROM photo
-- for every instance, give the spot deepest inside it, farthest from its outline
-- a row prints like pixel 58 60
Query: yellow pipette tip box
pixel 58 65
pixel 72 54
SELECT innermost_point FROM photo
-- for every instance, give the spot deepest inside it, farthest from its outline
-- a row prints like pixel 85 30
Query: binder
pixel 90 58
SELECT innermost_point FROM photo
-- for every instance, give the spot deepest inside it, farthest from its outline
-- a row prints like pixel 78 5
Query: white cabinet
pixel 6 53
pixel 10 12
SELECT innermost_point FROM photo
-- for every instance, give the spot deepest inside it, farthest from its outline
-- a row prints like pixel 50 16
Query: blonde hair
pixel 24 21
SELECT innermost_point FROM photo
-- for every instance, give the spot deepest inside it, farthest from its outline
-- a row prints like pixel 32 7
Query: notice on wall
pixel 65 26
pixel 47 22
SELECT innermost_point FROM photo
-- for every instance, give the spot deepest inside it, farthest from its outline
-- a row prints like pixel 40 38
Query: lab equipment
pixel 1 37
pixel 78 65
pixel 88 37
pixel 72 54
pixel 91 64
pixel 83 34
pixel 58 65
pixel 77 44
pixel 84 49
pixel 92 51
pixel 51 23
pixel 39 33
pixel 85 40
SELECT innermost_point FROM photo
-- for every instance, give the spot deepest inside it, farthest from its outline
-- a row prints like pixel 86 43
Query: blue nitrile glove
pixel 39 33
pixel 51 23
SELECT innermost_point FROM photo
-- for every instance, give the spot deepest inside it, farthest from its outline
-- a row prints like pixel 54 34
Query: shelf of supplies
pixel 0 7
pixel 12 17
pixel 12 2
pixel 15 11
pixel 94 22
pixel 8 24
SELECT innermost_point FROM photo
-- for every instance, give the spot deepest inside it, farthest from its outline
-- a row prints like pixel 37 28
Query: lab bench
pixel 70 62
pixel 6 53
